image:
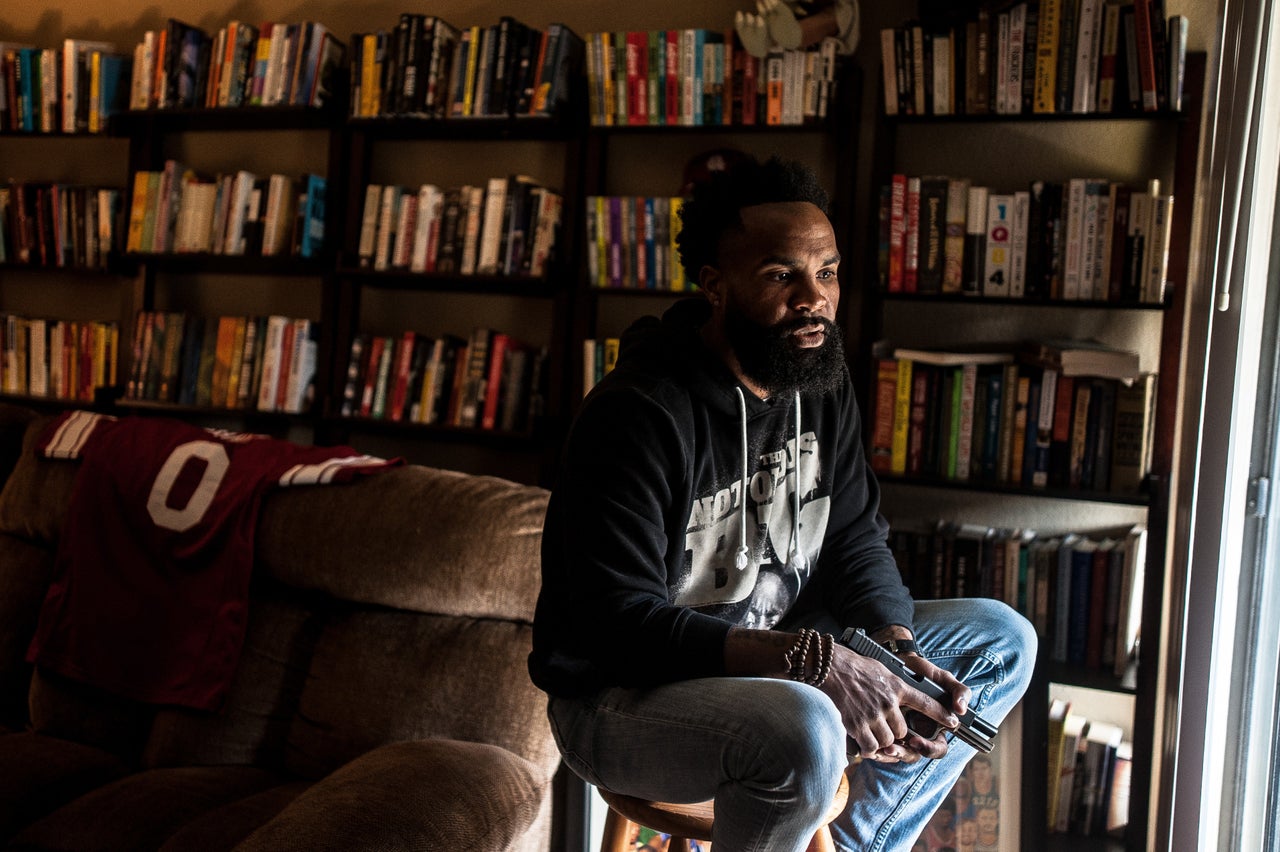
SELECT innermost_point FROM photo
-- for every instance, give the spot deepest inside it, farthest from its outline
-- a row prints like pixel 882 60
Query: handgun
pixel 974 730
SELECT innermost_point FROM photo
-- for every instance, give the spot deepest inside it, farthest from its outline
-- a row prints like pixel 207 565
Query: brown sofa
pixel 381 699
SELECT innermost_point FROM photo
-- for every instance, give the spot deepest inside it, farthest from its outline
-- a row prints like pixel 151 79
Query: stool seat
pixel 691 821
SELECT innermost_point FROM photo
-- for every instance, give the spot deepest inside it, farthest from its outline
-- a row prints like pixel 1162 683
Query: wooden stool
pixel 689 822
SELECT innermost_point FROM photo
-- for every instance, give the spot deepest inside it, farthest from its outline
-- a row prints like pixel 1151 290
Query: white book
pixel 269 384
pixel 1157 257
pixel 1084 94
pixel 48 93
pixel 1019 235
pixel 241 199
pixel 1088 239
pixel 964 436
pixel 279 215
pixel 75 55
pixel 1017 44
pixel 302 366
pixel 203 197
pixel 140 88
pixel 1074 203
pixel 495 199
pixel 550 209
pixel 941 74
pixel 996 269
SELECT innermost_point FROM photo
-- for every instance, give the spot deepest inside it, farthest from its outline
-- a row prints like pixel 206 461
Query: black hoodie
pixel 640 550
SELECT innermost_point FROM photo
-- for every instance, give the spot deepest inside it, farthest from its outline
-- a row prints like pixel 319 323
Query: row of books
pixel 1024 420
pixel 486 380
pixel 57 224
pixel 509 227
pixel 1090 773
pixel 233 362
pixel 701 77
pixel 1051 56
pixel 57 359
pixel 632 242
pixel 599 356
pixel 243 64
pixel 1082 591
pixel 178 210
pixel 1083 238
pixel 426 67
pixel 74 89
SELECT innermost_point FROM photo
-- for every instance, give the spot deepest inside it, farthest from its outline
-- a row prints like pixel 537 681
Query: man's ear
pixel 709 282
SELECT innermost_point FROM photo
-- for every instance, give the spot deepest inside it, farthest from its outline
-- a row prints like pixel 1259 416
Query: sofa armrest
pixel 425 794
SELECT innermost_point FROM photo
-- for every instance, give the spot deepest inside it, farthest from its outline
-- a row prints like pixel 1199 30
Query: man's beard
pixel 768 356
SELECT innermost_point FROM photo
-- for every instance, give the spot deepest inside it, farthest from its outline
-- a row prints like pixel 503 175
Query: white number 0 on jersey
pixel 180 520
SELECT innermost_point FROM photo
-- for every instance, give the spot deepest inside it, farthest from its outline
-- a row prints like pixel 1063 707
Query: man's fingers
pixel 917 700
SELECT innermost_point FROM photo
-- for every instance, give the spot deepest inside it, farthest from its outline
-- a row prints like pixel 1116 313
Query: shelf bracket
pixel 1259 497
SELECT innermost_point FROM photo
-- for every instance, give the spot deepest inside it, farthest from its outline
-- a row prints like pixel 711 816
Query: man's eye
pixel 827 274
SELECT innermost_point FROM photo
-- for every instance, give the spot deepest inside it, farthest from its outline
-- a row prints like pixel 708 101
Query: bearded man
pixel 725 451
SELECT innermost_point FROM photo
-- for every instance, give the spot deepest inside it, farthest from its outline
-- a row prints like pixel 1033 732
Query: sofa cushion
pixel 39 774
pixel 414 538
pixel 89 715
pixel 220 829
pixel 431 795
pixel 253 725
pixel 33 504
pixel 382 676
pixel 141 811
pixel 14 420
pixel 25 572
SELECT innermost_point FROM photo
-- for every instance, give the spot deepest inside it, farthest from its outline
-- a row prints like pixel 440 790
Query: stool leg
pixel 616 829
pixel 822 841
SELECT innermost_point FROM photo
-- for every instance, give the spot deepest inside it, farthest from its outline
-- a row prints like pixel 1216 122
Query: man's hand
pixel 873 703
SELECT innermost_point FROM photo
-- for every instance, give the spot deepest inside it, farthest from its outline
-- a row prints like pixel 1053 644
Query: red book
pixel 286 364
pixel 897 232
pixel 671 60
pixel 750 88
pixel 404 355
pixel 1142 25
pixel 1097 607
pixel 882 431
pixel 637 54
pixel 370 374
pixel 498 346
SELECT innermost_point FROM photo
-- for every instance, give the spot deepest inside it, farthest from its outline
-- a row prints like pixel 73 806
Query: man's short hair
pixel 716 204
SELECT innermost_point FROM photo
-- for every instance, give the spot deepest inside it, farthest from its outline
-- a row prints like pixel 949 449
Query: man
pixel 725 448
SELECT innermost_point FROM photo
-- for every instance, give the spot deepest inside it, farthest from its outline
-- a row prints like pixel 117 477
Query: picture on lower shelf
pixel 981 812
pixel 488 380
pixel 631 242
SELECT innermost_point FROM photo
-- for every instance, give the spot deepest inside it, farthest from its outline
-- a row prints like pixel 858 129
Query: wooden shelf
pixel 1035 117
pixel 224 119
pixel 1002 488
pixel 1100 679
pixel 448 434
pixel 980 301
pixel 234 264
pixel 505 129
pixel 400 279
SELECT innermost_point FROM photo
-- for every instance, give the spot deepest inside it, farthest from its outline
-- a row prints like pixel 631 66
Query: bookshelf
pixel 1009 151
pixel 647 161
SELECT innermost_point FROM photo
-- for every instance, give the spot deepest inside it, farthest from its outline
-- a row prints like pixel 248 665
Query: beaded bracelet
pixel 797 657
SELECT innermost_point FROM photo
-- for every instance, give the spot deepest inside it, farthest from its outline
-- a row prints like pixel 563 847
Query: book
pixel 1082 358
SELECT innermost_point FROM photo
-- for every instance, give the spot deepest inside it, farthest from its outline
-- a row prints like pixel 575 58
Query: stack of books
pixel 74 89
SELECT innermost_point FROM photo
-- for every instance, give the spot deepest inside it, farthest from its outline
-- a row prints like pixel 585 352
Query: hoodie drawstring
pixel 797 562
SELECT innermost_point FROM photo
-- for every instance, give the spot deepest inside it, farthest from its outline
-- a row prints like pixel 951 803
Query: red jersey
pixel 151 577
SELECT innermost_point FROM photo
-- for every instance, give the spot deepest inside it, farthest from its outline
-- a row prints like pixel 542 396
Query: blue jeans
pixel 770 752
